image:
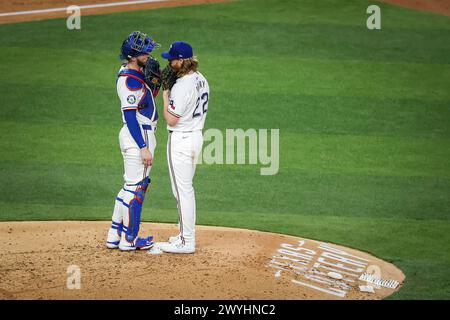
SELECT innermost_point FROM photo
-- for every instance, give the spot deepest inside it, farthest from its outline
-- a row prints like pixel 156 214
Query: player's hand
pixel 146 156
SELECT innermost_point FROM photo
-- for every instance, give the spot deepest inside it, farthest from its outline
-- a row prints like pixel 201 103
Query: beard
pixel 141 63
pixel 175 67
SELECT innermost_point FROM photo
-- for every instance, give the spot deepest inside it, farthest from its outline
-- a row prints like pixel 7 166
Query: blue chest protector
pixel 135 81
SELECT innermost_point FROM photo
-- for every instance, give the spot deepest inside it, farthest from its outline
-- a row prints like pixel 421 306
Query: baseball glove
pixel 169 77
pixel 152 73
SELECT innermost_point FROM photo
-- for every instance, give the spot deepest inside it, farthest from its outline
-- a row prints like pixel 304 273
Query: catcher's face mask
pixel 142 43
pixel 137 43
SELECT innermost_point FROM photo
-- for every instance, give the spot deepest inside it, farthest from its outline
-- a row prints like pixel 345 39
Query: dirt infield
pixel 436 6
pixel 20 5
pixel 40 259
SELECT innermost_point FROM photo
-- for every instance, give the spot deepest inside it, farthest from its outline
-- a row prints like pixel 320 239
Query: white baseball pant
pixel 183 150
pixel 134 170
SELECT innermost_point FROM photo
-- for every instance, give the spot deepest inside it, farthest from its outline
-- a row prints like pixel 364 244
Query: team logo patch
pixel 131 99
pixel 171 105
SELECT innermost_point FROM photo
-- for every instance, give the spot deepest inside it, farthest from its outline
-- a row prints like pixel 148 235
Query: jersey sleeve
pixel 133 127
pixel 178 101
pixel 130 92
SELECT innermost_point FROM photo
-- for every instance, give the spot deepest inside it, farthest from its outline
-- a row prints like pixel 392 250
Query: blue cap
pixel 178 50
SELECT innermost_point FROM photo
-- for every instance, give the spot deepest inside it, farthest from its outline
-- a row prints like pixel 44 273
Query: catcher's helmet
pixel 137 43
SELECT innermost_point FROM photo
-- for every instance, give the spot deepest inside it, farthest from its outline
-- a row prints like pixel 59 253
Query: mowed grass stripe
pixel 294 113
pixel 385 156
pixel 299 113
pixel 64 144
pixel 319 77
pixel 324 77
pixel 290 192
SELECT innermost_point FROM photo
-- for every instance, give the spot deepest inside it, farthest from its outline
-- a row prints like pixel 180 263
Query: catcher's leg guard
pixel 114 235
pixel 118 212
pixel 118 227
pixel 132 220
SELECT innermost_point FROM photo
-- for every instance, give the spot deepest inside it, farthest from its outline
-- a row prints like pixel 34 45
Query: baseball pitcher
pixel 138 82
pixel 186 97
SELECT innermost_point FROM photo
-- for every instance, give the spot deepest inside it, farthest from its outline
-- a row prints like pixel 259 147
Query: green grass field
pixel 364 140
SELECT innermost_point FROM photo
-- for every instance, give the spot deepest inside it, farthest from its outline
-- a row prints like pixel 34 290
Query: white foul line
pixel 88 6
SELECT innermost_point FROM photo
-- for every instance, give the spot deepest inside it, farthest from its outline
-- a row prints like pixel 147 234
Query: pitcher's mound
pixel 69 260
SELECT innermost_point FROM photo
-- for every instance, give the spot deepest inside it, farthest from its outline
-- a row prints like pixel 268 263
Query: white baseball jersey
pixel 136 95
pixel 189 101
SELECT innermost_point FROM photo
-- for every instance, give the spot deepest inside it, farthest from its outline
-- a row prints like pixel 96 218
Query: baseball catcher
pixel 138 81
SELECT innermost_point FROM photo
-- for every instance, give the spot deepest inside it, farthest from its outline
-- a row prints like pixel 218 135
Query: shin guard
pixel 133 220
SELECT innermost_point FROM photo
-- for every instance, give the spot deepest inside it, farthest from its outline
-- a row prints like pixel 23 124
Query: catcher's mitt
pixel 169 77
pixel 152 73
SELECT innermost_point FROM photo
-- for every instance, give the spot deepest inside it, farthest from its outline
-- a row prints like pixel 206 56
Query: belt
pixel 170 131
pixel 147 127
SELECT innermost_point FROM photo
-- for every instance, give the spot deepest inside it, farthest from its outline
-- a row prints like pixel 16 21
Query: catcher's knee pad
pixel 135 209
pixel 118 227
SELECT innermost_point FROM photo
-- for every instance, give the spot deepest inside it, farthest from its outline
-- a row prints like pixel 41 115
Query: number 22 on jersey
pixel 203 102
